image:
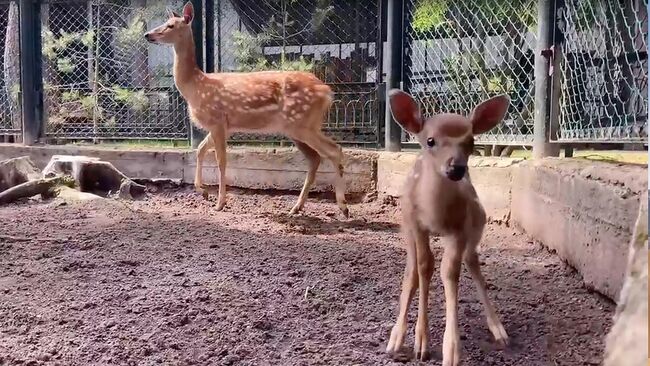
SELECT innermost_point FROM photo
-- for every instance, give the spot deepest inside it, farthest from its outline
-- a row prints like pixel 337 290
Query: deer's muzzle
pixel 456 172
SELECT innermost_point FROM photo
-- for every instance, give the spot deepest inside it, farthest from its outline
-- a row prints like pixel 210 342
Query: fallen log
pixel 45 187
pixel 94 176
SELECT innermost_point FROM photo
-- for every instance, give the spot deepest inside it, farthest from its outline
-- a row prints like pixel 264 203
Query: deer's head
pixel 447 139
pixel 176 29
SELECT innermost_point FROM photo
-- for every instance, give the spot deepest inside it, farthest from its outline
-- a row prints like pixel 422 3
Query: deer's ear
pixel 489 113
pixel 405 111
pixel 188 12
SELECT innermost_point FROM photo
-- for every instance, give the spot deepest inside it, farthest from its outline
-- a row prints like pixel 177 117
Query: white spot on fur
pixel 305 107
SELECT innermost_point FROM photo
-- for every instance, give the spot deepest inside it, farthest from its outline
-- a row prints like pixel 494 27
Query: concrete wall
pixel 584 210
pixel 282 168
pixel 627 342
pixel 491 176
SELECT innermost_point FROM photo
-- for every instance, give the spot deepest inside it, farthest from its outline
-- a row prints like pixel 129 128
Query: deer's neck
pixel 186 70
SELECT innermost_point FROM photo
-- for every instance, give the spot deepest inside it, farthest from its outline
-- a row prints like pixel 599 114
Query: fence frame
pixel 392 18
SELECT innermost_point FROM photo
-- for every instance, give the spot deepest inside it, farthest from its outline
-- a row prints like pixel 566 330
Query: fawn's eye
pixel 431 142
pixel 170 26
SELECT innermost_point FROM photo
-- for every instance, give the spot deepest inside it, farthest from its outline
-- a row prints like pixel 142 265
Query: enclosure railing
pixel 93 76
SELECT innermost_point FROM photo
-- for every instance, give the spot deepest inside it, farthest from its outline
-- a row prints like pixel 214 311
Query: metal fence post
pixel 209 35
pixel 31 82
pixel 543 86
pixel 394 38
pixel 196 134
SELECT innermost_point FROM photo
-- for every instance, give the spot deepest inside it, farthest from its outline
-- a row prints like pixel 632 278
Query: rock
pixel 16 171
pixel 627 342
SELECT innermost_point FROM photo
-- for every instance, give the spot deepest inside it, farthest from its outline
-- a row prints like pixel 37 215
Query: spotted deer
pixel 439 198
pixel 291 103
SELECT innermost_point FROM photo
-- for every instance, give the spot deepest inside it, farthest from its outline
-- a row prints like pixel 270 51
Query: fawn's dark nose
pixel 456 172
pixel 147 36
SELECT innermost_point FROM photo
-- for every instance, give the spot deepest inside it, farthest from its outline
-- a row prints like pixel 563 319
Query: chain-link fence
pixel 461 52
pixel 10 107
pixel 102 80
pixel 335 39
pixel 604 81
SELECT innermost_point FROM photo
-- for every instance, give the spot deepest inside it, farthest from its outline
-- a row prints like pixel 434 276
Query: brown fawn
pixel 291 103
pixel 439 198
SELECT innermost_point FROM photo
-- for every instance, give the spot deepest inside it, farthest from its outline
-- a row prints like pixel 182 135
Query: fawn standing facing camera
pixel 439 198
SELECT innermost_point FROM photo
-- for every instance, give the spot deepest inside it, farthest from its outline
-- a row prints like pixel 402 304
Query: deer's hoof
pixel 345 212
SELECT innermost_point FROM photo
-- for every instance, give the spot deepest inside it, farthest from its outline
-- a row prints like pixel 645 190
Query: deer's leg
pixel 313 162
pixel 473 264
pixel 326 147
pixel 409 285
pixel 203 148
pixel 450 272
pixel 219 138
pixel 425 267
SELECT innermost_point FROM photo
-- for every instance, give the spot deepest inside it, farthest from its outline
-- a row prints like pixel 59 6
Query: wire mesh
pixel 102 80
pixel 10 106
pixel 465 51
pixel 335 39
pixel 604 93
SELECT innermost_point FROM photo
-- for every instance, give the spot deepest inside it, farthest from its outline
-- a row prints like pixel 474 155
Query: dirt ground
pixel 170 281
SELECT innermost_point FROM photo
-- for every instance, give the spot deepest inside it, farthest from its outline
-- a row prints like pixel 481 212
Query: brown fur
pixel 291 103
pixel 433 202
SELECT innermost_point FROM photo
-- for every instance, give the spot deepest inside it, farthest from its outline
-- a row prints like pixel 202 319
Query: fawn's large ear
pixel 489 113
pixel 188 12
pixel 405 111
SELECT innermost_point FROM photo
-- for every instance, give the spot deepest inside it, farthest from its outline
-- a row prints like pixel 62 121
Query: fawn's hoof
pixel 220 206
pixel 295 210
pixel 345 212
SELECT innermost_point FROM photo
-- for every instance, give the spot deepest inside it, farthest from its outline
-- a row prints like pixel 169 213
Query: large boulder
pixel 627 342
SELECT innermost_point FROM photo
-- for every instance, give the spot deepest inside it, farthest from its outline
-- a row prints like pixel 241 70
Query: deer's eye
pixel 170 26
pixel 431 142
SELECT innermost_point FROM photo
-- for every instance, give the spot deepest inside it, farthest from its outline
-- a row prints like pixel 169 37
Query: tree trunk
pixel 12 66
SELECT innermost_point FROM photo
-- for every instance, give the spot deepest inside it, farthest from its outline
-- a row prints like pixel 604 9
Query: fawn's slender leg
pixel 203 148
pixel 425 265
pixel 472 263
pixel 218 135
pixel 450 272
pixel 313 162
pixel 409 285
pixel 326 147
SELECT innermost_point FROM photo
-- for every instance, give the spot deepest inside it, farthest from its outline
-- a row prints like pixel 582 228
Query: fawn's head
pixel 447 139
pixel 176 29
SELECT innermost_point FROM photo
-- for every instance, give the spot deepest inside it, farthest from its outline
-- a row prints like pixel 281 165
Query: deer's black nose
pixel 147 36
pixel 456 172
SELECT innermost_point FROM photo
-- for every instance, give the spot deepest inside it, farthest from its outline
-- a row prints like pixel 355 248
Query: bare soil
pixel 168 280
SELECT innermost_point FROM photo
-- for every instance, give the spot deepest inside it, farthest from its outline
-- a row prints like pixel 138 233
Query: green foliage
pixel 132 34
pixel 136 100
pixel 437 15
pixel 249 57
pixel 248 48
pixel 429 15
pixel 65 65
pixel 464 68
